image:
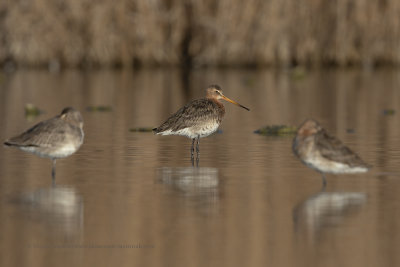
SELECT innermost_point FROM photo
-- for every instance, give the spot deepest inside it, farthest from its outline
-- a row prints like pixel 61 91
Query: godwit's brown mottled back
pixel 325 153
pixel 58 137
pixel 199 118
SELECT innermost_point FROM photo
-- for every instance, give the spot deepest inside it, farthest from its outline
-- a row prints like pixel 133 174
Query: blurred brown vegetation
pixel 200 32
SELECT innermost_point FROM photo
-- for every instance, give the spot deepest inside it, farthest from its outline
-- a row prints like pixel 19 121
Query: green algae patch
pixel 32 111
pixel 141 129
pixel 99 108
pixel 388 112
pixel 277 130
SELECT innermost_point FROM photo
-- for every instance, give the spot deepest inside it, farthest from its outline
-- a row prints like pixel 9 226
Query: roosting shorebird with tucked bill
pixel 199 118
pixel 325 153
pixel 55 138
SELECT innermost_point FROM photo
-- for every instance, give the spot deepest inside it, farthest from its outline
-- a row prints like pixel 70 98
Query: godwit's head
pixel 215 92
pixel 309 127
pixel 72 116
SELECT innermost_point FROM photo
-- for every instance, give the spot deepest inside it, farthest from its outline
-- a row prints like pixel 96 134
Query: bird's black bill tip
pixel 245 108
pixel 6 143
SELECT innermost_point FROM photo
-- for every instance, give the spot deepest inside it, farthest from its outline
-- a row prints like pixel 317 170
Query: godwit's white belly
pixel 52 152
pixel 322 164
pixel 202 130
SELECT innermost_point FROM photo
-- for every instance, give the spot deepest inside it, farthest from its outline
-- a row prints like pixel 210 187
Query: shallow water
pixel 133 198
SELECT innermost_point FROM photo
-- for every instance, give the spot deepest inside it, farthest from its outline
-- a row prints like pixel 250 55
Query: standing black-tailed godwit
pixel 58 137
pixel 199 118
pixel 325 153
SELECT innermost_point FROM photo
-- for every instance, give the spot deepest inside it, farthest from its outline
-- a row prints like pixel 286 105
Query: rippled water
pixel 133 198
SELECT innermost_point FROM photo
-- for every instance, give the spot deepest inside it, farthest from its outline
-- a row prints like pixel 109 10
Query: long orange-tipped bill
pixel 234 102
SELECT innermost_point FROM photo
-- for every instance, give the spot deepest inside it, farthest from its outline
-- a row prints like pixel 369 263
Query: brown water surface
pixel 133 199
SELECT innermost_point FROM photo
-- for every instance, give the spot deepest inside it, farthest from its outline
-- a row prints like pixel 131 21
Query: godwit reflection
pixel 326 209
pixel 199 184
pixel 60 207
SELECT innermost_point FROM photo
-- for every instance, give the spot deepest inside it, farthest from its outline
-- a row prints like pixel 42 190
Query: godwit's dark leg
pixel 192 149
pixel 323 181
pixel 198 146
pixel 198 151
pixel 53 171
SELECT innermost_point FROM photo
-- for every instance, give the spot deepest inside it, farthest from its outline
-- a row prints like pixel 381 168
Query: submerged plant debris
pixel 31 111
pixel 141 129
pixel 389 112
pixel 277 130
pixel 99 108
pixel 298 73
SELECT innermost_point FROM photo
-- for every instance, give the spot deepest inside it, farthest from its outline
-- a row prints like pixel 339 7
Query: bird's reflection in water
pixel 58 207
pixel 200 185
pixel 326 209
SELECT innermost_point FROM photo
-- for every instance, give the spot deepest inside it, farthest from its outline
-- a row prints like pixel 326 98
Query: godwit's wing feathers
pixel 193 113
pixel 333 149
pixel 44 134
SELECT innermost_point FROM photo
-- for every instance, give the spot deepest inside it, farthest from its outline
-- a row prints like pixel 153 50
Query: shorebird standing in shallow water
pixel 325 153
pixel 58 137
pixel 199 118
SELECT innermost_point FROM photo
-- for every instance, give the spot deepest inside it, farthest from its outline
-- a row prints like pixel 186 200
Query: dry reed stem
pixel 198 33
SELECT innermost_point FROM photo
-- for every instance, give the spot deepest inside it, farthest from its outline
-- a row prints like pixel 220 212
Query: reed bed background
pixel 191 33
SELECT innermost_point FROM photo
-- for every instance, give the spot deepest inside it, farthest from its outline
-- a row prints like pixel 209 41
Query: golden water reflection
pixel 250 203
